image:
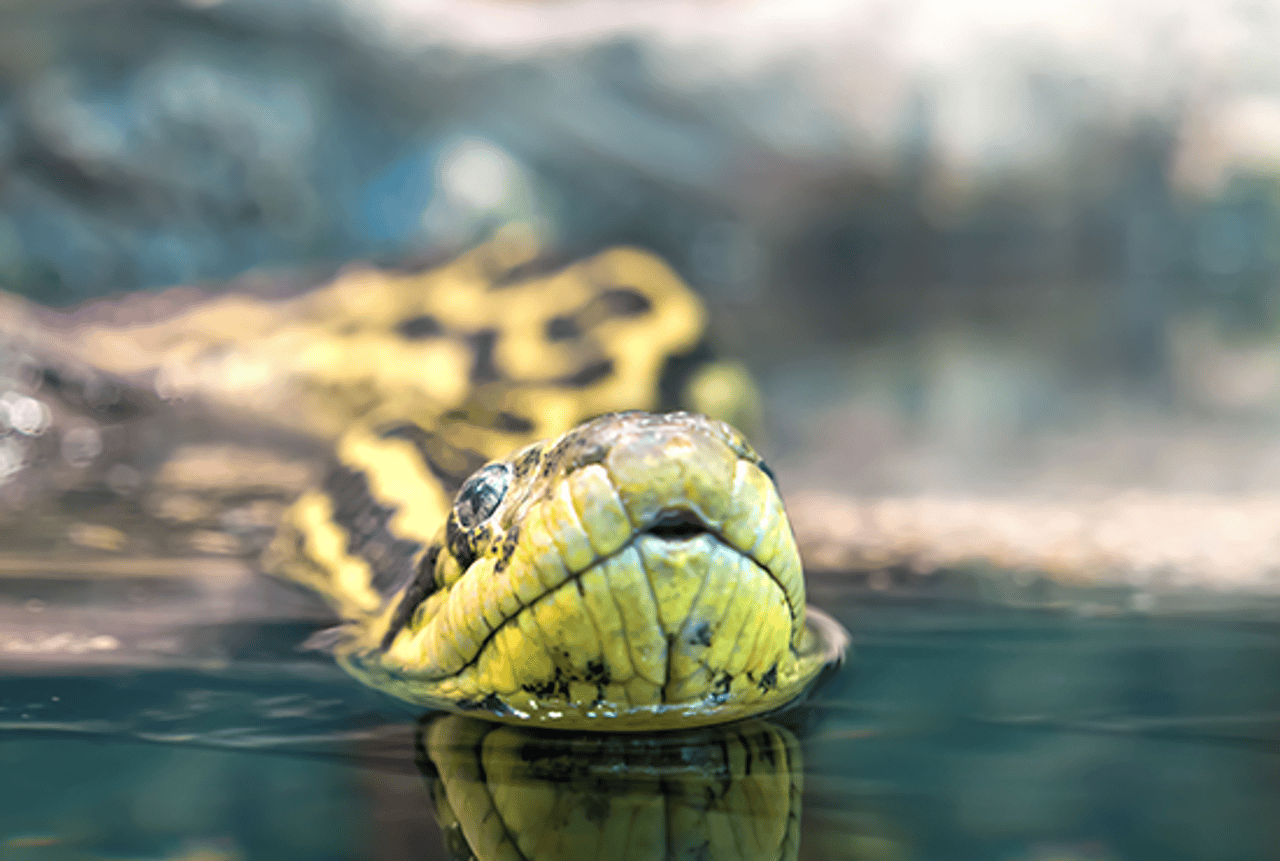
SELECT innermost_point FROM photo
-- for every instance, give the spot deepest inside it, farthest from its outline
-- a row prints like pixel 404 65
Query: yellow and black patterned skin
pixel 638 572
pixel 490 351
pixel 729 793
pixel 495 534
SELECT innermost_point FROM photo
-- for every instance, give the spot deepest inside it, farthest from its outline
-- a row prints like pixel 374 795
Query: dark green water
pixel 958 730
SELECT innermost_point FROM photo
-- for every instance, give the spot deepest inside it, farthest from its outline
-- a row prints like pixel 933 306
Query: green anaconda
pixel 503 521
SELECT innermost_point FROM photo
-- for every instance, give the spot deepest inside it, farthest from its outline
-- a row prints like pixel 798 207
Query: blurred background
pixel 1022 254
pixel 973 247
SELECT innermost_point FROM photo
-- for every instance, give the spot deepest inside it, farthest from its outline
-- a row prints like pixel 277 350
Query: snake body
pixel 495 535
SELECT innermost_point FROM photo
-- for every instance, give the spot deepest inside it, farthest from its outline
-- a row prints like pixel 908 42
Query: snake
pixel 530 504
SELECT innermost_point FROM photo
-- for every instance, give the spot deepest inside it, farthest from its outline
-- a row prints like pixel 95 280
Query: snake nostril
pixel 677 525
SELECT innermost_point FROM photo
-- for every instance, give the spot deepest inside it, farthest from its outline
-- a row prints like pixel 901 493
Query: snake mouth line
pixel 678 524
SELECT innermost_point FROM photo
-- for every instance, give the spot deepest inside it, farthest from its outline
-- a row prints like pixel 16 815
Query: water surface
pixel 959 729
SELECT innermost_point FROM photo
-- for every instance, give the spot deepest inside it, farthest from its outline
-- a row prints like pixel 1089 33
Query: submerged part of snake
pixel 486 549
pixel 506 792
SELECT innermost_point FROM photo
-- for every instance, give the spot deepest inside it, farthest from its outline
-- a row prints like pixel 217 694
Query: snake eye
pixel 481 494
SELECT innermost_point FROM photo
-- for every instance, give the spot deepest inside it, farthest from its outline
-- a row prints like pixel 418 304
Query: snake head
pixel 640 564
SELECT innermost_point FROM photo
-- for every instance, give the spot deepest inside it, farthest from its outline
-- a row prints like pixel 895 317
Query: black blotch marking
pixel 612 303
pixel 562 328
pixel 548 467
pixel 677 372
pixel 557 454
pixel 369 535
pixel 423 585
pixel 558 685
pixel 624 302
pixel 512 423
pixel 483 367
pixel 537 751
pixel 547 763
pixel 597 672
pixel 770 679
pixel 527 463
pixel 508 547
pixel 726 782
pixel 543 690
pixel 720 690
pixel 449 463
pixel 586 376
pixel 700 635
pixel 767 752
pixel 463 544
pixel 419 328
pixel 490 703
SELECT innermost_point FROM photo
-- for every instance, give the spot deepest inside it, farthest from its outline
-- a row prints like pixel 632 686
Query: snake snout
pixel 677 525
